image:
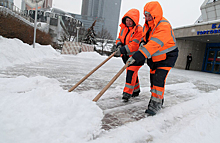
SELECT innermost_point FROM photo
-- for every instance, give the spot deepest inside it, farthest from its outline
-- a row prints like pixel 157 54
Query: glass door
pixel 217 62
pixel 213 61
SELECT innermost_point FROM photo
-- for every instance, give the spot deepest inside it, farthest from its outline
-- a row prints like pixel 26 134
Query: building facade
pixel 109 11
pixel 88 21
pixel 47 3
pixel 201 39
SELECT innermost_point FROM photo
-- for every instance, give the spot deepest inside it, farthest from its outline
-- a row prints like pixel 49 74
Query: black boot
pixel 126 97
pixel 153 107
pixel 135 94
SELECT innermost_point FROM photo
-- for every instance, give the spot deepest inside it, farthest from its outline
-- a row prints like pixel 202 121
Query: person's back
pixel 188 62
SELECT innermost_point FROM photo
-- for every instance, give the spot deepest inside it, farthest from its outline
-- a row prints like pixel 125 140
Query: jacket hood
pixel 155 9
pixel 133 14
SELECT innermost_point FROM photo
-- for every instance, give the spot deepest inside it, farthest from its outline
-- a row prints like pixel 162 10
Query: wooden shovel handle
pixel 84 78
pixel 112 81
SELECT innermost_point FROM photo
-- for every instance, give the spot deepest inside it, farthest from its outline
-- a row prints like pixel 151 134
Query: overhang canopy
pixel 207 32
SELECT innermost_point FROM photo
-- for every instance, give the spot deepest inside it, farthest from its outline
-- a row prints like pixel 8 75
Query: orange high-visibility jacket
pixel 130 36
pixel 161 38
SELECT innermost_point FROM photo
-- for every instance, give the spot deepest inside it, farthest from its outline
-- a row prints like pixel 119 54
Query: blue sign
pixel 205 32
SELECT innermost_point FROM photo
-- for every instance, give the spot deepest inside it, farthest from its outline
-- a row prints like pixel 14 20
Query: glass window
pixel 211 56
pixel 216 68
pixel 218 57
pixel 210 1
pixel 53 21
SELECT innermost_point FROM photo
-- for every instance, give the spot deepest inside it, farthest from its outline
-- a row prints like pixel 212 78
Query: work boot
pixel 135 94
pixel 153 107
pixel 126 97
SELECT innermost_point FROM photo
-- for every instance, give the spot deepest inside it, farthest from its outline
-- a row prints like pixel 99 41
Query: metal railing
pixel 64 27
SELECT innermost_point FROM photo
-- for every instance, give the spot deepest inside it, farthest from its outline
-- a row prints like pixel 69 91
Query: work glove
pixel 121 50
pixel 118 53
pixel 130 61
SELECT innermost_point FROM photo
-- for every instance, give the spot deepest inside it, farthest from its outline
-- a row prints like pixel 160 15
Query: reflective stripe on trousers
pixel 158 80
pixel 132 82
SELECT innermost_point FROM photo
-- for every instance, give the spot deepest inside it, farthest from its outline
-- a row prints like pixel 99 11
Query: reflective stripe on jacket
pixel 161 38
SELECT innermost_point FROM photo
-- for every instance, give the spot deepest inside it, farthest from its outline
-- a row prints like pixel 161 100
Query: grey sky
pixel 178 12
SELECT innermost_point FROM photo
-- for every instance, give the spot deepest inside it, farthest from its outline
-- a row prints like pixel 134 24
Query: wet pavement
pixel 116 112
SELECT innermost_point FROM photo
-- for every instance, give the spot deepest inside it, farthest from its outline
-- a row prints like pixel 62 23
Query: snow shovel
pixel 111 82
pixel 71 89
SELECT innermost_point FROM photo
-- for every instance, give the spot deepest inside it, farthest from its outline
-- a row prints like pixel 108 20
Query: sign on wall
pixel 215 29
pixel 32 3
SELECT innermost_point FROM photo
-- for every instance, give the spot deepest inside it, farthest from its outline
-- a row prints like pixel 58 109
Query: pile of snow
pixel 89 55
pixel 14 51
pixel 38 110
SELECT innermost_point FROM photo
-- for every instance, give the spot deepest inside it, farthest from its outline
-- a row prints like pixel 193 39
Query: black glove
pixel 123 50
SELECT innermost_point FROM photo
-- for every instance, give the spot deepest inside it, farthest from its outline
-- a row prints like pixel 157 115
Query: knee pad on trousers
pixel 129 76
pixel 159 77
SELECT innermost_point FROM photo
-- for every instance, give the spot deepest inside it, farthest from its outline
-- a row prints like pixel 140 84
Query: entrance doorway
pixel 212 63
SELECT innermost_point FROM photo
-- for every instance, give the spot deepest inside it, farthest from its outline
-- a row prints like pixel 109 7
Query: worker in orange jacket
pixel 128 42
pixel 158 46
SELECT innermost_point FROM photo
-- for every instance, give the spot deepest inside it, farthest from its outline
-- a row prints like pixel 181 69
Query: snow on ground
pixel 14 51
pixel 37 109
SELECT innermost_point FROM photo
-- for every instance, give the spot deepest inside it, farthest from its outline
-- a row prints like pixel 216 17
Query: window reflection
pixel 211 56
pixel 218 57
